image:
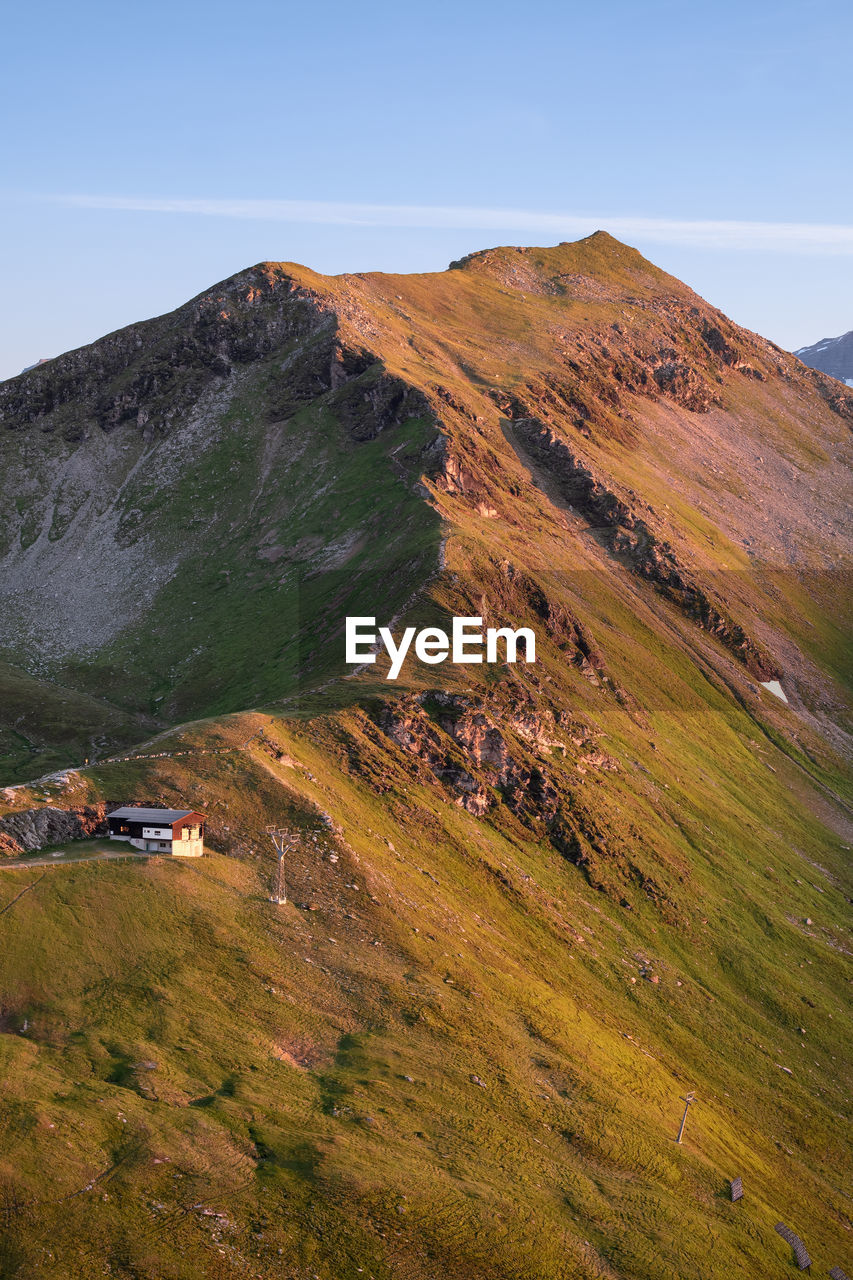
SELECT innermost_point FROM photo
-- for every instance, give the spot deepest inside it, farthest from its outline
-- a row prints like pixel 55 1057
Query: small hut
pixel 178 833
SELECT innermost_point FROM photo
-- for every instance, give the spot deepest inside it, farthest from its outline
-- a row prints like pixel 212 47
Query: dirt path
pixel 10 905
pixel 99 855
pixel 59 774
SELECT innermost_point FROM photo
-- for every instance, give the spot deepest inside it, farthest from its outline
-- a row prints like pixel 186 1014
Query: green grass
pixel 45 725
pixel 265 612
pixel 75 851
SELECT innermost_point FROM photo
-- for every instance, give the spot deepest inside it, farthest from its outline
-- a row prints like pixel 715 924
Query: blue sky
pixel 149 151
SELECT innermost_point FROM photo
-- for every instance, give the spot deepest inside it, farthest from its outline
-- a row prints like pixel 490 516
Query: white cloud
pixel 782 237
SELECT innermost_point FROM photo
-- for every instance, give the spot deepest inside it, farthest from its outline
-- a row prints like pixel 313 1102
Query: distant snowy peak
pixel 831 355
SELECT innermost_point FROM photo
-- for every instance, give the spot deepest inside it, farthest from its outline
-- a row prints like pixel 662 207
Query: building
pixel 175 832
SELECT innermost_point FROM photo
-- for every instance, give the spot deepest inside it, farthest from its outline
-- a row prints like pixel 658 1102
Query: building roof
pixel 152 817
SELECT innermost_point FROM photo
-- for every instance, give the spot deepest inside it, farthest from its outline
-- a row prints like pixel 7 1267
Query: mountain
pixel 530 905
pixel 284 419
pixel 831 355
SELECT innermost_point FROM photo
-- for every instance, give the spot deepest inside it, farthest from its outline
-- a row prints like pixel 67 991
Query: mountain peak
pixel 599 256
pixel 831 355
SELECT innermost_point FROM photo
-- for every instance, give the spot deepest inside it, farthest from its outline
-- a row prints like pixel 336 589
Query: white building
pixel 175 832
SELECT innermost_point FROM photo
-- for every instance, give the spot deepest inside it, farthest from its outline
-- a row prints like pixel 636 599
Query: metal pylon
pixel 284 841
pixel 686 1099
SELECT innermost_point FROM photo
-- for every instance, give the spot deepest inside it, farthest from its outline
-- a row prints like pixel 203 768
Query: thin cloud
pixel 781 237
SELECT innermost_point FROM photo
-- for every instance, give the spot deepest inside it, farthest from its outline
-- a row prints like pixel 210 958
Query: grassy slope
pixel 46 725
pixel 266 621
pixel 283 1037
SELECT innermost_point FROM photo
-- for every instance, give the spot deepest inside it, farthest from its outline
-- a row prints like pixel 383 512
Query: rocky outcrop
pixel 495 752
pixel 466 746
pixel 35 829
pixel 153 372
pixel 683 359
pixel 412 730
pixel 374 400
pixel 684 385
pixel 629 536
pixel 835 394
pixel 515 594
pixel 147 371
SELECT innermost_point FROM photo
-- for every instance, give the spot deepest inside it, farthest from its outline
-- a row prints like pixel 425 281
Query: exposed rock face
pixel 630 536
pixel 683 363
pixel 466 746
pixel 492 754
pixel 416 734
pixel 154 372
pixel 684 385
pixel 36 828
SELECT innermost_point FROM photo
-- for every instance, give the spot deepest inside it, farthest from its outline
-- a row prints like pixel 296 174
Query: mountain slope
pixel 531 905
pixel 136 458
pixel 831 355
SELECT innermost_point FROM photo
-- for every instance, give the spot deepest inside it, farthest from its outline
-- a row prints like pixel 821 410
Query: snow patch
pixel 774 687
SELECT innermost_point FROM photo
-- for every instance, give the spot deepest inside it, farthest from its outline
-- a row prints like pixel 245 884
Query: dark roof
pixel 152 817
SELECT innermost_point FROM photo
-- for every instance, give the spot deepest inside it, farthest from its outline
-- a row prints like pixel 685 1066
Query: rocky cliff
pixel 30 829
